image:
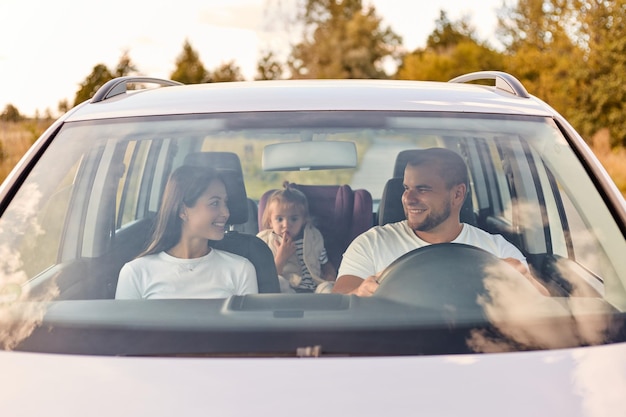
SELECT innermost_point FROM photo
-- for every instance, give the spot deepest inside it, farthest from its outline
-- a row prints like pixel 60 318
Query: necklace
pixel 190 266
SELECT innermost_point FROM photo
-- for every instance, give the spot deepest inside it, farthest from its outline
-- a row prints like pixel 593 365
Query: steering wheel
pixel 443 276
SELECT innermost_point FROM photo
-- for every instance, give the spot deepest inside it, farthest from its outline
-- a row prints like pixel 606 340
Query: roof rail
pixel 118 86
pixel 504 81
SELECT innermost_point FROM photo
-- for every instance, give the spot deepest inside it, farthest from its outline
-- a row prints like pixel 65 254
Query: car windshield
pixel 90 204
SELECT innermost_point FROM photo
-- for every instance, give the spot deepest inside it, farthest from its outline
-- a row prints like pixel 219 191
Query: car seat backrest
pixel 240 243
pixel 251 226
pixel 363 213
pixel 339 213
pixel 390 209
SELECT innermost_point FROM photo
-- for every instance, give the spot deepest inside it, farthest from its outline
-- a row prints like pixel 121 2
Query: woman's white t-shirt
pixel 218 274
pixel 374 250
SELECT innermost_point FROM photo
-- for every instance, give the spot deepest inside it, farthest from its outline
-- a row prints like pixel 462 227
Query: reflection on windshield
pixel 18 320
pixel 88 207
pixel 525 319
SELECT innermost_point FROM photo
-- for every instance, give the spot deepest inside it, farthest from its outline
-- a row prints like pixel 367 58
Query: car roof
pixel 311 95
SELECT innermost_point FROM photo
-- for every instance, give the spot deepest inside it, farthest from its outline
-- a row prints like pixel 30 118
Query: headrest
pixel 229 167
pixel 330 205
pixel 402 159
pixel 390 209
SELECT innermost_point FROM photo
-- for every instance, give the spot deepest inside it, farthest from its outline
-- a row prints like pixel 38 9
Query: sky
pixel 48 47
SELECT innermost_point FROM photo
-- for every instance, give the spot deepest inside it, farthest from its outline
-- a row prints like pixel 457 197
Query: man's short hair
pixel 451 167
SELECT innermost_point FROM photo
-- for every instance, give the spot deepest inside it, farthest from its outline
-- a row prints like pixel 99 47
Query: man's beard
pixel 431 221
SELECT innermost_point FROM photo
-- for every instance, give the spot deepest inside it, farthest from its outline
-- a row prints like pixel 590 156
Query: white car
pixel 444 335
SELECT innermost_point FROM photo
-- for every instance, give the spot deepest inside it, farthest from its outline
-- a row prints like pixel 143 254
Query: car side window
pixel 46 227
pixel 503 207
pixel 33 227
pixel 127 201
pixel 145 169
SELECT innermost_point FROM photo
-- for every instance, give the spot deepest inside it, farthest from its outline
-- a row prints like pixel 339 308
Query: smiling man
pixel 435 186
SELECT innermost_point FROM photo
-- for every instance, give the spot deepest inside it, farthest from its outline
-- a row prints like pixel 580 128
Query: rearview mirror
pixel 309 155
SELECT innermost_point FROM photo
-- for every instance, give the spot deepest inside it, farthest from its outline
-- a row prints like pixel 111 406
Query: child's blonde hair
pixel 288 197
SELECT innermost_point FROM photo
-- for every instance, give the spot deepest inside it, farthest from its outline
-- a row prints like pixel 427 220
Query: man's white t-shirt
pixel 375 249
pixel 218 274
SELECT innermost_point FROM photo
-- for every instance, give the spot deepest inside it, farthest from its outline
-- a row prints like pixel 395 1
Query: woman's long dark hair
pixel 184 186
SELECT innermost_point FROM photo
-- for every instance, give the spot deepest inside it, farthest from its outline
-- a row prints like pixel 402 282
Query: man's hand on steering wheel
pixel 368 287
pixel 515 263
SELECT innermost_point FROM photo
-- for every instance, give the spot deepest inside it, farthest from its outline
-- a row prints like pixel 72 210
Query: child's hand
pixel 285 247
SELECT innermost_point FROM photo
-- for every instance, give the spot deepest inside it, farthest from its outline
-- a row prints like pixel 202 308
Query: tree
pixel 63 106
pixel 269 68
pixel 341 39
pixel 228 71
pixel 526 22
pixel 540 50
pixel 125 66
pixel 189 68
pixel 10 114
pixel 448 34
pixel 581 48
pixel 602 91
pixel 451 50
pixel 100 75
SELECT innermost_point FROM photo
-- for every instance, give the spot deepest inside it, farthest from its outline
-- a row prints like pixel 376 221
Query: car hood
pixel 587 381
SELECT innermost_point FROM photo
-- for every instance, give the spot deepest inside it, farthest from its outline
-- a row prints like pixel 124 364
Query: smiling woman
pixel 179 263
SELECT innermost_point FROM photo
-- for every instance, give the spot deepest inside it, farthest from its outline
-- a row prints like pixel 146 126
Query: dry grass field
pixel 613 160
pixel 16 138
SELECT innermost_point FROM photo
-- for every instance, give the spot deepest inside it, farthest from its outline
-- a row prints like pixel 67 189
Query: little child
pixel 298 246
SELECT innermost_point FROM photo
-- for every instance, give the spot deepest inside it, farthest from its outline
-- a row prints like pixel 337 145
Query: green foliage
pixel 602 91
pixel 341 39
pixel 100 75
pixel 63 106
pixel 124 66
pixel 572 54
pixel 527 22
pixel 467 56
pixel 189 68
pixel 451 51
pixel 550 73
pixel 269 68
pixel 228 71
pixel 448 34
